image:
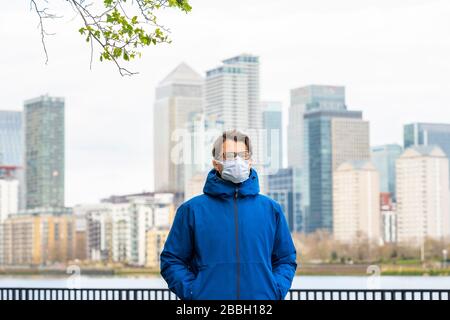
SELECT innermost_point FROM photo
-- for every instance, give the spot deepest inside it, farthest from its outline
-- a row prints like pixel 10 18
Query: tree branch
pixel 43 14
pixel 121 29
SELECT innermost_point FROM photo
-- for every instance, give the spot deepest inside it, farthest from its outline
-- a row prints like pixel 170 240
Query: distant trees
pixel 322 248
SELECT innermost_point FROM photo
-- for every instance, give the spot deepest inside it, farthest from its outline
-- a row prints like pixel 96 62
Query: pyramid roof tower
pixel 183 73
pixel 420 151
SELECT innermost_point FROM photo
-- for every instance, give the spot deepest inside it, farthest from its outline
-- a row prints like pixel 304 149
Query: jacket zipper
pixel 236 223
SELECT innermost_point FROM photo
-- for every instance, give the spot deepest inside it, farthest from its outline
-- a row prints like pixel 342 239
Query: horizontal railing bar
pixel 46 293
pixel 163 289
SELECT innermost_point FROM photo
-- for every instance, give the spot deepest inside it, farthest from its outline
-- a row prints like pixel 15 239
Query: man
pixel 231 242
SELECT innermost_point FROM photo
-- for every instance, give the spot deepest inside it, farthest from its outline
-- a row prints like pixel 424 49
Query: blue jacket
pixel 229 243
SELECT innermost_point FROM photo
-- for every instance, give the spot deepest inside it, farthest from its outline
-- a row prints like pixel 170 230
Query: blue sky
pixel 393 59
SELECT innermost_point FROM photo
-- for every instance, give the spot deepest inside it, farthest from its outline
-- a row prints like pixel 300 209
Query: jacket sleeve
pixel 284 255
pixel 177 255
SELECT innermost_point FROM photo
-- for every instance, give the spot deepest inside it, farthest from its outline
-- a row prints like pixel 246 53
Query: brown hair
pixel 234 135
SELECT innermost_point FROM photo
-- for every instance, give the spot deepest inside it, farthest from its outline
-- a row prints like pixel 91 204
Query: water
pixel 300 282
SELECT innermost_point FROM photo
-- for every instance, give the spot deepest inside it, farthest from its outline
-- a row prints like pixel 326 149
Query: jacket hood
pixel 216 186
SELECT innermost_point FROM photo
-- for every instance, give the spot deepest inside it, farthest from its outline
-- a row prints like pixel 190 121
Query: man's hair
pixel 234 135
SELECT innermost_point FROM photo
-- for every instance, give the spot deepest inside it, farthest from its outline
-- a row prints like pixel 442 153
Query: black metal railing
pixel 389 294
pixel 166 294
pixel 85 294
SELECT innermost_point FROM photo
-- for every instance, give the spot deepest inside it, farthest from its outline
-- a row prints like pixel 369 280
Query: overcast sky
pixel 393 59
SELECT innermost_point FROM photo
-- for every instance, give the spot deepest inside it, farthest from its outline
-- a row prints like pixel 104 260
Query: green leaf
pixel 107 3
pixel 117 52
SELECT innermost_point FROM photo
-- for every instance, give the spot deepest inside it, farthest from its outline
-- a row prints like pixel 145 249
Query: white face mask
pixel 235 170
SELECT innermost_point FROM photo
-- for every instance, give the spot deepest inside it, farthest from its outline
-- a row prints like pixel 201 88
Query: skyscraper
pixel 422 195
pixel 177 96
pixel 11 146
pixel 349 140
pixel 424 134
pixel 232 95
pixel 307 99
pixel 272 114
pixel 284 187
pixel 232 92
pixel 331 138
pixel 44 152
pixel 356 202
pixel 203 131
pixel 384 157
pixel 249 64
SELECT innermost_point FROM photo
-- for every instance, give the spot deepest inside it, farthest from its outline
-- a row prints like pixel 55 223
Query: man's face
pixel 230 147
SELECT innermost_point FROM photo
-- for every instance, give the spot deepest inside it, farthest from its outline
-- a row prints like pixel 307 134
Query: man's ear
pixel 216 165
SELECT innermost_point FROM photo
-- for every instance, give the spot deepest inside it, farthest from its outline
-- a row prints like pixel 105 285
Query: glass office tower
pixel 11 148
pixel 44 152
pixel 323 146
pixel 284 187
pixel 384 158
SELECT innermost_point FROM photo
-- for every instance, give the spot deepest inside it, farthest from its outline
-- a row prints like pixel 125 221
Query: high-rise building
pixel 384 158
pixel 284 187
pixel 272 113
pixel 249 64
pixel 232 93
pixel 177 96
pixel 422 195
pixel 11 144
pixel 356 202
pixel 425 134
pixel 202 131
pixel 332 137
pixel 44 152
pixel 307 99
pixel 232 96
pixel 226 96
pixel 349 140
pixel 12 147
pixel 388 218
pixel 310 100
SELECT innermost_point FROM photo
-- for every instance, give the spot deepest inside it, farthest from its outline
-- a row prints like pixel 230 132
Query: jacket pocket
pixel 194 288
pixel 258 282
pixel 278 290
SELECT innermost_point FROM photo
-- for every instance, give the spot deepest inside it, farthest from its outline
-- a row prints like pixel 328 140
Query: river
pixel 300 282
